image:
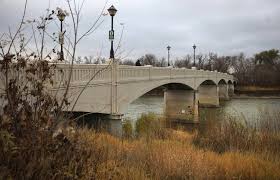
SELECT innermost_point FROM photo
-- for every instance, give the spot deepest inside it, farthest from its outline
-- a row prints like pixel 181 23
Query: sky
pixel 226 27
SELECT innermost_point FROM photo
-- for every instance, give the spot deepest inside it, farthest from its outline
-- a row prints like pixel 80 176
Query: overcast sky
pixel 225 27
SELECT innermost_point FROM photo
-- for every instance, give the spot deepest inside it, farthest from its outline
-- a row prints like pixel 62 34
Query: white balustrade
pixel 102 73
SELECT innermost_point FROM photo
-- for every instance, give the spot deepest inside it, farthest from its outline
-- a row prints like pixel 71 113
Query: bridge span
pixel 111 88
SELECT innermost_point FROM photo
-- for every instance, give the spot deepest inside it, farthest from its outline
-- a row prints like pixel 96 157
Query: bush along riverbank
pixel 257 91
pixel 225 151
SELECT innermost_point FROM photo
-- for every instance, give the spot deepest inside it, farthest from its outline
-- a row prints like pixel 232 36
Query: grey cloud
pixel 225 27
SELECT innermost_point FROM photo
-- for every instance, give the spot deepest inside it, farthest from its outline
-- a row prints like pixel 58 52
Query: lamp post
pixel 112 11
pixel 61 16
pixel 168 57
pixel 194 47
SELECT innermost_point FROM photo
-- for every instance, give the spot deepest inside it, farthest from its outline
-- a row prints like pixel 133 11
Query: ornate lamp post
pixel 61 16
pixel 168 49
pixel 194 47
pixel 112 11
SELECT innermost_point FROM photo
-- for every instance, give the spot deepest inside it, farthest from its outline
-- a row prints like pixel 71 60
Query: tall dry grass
pixel 235 135
pixel 90 155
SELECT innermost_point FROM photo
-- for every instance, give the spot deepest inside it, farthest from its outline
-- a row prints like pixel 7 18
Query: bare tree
pixel 162 62
pixel 184 62
pixel 127 62
pixel 148 59
pixel 26 74
pixel 88 60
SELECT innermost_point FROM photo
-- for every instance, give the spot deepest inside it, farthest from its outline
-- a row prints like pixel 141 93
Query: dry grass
pixel 233 135
pixel 173 158
pixel 91 155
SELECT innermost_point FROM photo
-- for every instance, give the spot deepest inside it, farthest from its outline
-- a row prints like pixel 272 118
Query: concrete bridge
pixel 115 86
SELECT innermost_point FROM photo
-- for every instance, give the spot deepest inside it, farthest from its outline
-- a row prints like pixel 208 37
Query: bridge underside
pixel 181 105
pixel 181 101
pixel 208 94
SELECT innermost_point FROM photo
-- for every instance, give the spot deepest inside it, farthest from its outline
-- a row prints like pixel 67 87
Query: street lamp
pixel 194 47
pixel 61 16
pixel 112 11
pixel 168 49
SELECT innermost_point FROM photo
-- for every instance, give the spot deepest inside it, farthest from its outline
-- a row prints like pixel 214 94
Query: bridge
pixel 111 88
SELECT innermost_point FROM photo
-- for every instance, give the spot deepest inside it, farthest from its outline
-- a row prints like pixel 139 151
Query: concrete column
pixel 114 119
pixel 196 106
pixel 223 92
pixel 181 105
pixel 114 124
pixel 230 90
pixel 114 87
pixel 208 96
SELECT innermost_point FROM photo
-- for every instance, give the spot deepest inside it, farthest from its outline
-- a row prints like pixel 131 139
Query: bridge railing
pixel 81 73
pixel 133 72
pixel 127 73
pixel 102 73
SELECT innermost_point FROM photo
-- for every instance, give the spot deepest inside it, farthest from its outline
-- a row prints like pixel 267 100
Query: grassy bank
pixel 257 90
pixel 228 150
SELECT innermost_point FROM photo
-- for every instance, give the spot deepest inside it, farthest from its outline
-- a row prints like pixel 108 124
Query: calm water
pixel 249 110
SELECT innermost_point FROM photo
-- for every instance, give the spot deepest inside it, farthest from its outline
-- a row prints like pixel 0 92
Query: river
pixel 249 110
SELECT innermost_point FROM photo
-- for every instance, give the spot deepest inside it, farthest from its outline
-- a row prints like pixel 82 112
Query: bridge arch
pixel 208 94
pixel 127 99
pixel 208 82
pixel 201 81
pixel 222 81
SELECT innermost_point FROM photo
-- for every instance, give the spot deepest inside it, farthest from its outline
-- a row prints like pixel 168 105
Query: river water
pixel 249 110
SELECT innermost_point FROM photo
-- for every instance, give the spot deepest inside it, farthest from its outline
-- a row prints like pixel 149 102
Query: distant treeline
pixel 263 69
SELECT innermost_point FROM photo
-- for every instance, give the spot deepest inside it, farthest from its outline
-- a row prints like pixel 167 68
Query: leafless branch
pixel 19 28
pixel 35 39
pixel 92 28
pixel 120 40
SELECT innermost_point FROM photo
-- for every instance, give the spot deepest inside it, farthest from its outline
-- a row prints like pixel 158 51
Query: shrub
pixel 150 125
pixel 127 129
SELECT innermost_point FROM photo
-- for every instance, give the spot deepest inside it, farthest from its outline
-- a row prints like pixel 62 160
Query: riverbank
pixel 257 90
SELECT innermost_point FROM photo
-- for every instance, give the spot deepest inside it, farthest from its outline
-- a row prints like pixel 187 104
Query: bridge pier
pixel 223 92
pixel 208 95
pixel 230 90
pixel 181 105
pixel 114 124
